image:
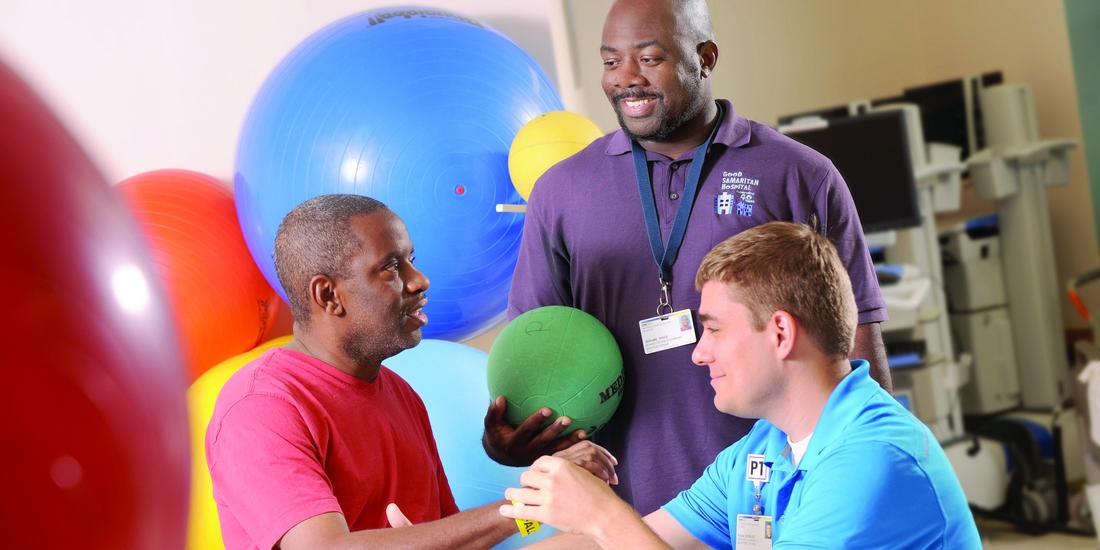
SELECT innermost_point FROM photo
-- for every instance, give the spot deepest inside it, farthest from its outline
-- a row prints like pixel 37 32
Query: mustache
pixel 416 303
pixel 636 94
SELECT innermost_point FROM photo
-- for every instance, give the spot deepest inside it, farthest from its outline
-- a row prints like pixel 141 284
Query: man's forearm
pixel 625 529
pixel 480 527
pixel 622 529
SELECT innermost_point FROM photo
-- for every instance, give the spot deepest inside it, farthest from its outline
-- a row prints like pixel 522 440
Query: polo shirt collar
pixel 733 131
pixel 844 405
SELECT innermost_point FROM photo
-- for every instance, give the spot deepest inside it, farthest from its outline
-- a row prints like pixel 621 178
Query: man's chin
pixel 412 339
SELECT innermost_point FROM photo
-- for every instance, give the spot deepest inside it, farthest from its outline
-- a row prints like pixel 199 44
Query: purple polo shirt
pixel 585 245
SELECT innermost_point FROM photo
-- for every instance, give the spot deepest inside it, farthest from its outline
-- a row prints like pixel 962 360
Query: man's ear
pixel 324 295
pixel 708 57
pixel 784 332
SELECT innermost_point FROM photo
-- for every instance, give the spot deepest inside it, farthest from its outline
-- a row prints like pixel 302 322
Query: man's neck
pixel 799 407
pixel 322 349
pixel 688 136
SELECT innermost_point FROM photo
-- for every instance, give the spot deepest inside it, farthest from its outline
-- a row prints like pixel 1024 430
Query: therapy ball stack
pixel 415 107
pixel 561 358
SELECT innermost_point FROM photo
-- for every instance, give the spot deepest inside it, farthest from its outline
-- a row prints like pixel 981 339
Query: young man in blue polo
pixel 833 462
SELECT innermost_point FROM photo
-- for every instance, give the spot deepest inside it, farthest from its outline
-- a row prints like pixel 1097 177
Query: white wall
pixel 146 85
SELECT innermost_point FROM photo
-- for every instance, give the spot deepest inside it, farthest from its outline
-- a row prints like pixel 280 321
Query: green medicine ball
pixel 557 357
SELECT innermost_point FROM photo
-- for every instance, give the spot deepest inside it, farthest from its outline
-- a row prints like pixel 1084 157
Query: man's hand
pixel 520 446
pixel 563 495
pixel 396 517
pixel 594 458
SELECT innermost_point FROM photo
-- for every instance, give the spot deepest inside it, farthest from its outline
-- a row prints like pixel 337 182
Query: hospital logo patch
pixel 738 194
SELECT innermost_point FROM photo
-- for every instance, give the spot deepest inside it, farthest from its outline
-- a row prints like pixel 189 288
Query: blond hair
pixel 782 266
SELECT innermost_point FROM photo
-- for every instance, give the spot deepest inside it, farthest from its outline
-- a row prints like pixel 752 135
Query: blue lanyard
pixel 665 256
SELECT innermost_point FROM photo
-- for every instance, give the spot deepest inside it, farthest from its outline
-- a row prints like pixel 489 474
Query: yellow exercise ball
pixel 203 530
pixel 545 141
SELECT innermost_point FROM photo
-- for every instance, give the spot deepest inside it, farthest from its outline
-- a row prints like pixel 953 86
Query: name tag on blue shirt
pixel 753 532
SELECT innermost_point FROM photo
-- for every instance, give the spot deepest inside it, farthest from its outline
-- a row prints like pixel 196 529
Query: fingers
pixel 605 452
pixel 525 495
pixel 495 415
pixel 396 517
pixel 533 423
pixel 520 510
pixel 595 463
pixel 548 439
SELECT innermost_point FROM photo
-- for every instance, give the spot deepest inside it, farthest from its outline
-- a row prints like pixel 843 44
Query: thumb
pixel 396 517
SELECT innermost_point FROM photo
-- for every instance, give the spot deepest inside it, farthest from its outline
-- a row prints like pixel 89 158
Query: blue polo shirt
pixel 585 246
pixel 873 477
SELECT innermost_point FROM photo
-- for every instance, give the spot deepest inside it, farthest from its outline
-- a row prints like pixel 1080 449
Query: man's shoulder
pixel 268 381
pixel 264 374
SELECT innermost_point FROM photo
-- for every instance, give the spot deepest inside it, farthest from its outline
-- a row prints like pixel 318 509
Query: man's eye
pixel 610 63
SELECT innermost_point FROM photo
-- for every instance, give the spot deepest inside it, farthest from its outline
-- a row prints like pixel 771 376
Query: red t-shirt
pixel 293 437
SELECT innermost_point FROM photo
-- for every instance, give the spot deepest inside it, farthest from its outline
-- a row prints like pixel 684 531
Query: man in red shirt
pixel 310 443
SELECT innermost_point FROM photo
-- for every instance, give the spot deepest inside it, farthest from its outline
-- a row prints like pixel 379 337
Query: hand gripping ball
pixel 557 357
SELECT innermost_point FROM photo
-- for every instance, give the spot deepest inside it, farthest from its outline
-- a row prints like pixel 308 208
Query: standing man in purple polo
pixel 619 229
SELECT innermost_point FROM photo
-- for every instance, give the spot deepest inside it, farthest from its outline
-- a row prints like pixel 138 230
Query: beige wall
pixel 784 56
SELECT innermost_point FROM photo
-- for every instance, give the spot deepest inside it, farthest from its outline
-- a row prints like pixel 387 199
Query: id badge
pixel 753 532
pixel 666 332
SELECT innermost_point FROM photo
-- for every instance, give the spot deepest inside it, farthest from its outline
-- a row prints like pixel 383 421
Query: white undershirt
pixel 798 448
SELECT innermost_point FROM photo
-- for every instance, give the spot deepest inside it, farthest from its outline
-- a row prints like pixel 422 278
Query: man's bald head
pixel 689 18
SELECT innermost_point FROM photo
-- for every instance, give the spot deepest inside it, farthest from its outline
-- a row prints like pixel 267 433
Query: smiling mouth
pixel 637 106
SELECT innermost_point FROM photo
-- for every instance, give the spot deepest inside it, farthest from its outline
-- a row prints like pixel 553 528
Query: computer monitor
pixel 828 113
pixel 950 111
pixel 872 154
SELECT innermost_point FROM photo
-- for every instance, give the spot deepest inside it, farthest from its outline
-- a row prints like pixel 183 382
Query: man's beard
pixel 364 347
pixel 669 124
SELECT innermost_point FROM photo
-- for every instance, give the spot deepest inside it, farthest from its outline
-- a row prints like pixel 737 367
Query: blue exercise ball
pixel 450 379
pixel 416 107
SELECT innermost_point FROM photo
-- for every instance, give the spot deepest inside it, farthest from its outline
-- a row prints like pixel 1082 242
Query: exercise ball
pixel 221 302
pixel 203 528
pixel 557 357
pixel 415 107
pixel 545 141
pixel 95 423
pixel 450 379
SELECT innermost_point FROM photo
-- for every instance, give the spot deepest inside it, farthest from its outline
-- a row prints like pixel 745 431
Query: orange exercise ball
pixel 94 437
pixel 222 304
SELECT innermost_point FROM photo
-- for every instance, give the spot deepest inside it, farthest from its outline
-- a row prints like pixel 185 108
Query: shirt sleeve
pixel 703 509
pixel 870 495
pixel 266 469
pixel 843 228
pixel 541 277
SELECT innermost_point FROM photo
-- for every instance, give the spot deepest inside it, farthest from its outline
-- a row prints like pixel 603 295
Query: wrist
pixel 498 456
pixel 615 524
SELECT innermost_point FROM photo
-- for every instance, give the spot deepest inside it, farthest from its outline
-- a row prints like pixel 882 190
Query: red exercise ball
pixel 94 438
pixel 221 302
